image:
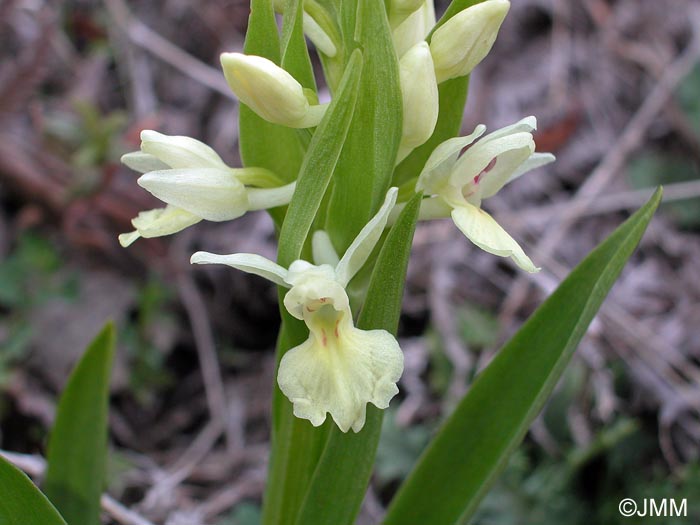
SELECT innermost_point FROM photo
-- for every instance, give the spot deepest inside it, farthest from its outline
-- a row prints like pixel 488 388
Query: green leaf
pixel 21 502
pixel 341 477
pixel 295 54
pixel 474 443
pixel 320 163
pixel 367 162
pixel 263 144
pixel 77 449
pixel 296 444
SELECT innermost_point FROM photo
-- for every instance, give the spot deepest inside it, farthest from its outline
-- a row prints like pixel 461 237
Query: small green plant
pixel 77 451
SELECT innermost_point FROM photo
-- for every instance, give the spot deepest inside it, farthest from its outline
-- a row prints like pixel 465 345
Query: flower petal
pixel 180 152
pixel 466 38
pixel 509 151
pixel 536 160
pixel 210 193
pixel 361 248
pixel 340 375
pixel 441 161
pixel 267 89
pixel 524 125
pixel 247 262
pixel 485 232
pixel 158 222
pixel 143 162
pixel 420 98
pixel 323 250
pixel 312 288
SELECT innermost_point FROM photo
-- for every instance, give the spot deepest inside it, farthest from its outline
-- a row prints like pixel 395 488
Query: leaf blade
pixel 509 393
pixel 367 162
pixel 295 54
pixel 22 503
pixel 77 450
pixel 319 165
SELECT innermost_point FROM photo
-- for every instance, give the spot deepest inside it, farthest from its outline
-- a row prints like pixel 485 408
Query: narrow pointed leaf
pixel 367 162
pixel 345 466
pixel 319 165
pixel 21 502
pixel 473 445
pixel 295 54
pixel 77 450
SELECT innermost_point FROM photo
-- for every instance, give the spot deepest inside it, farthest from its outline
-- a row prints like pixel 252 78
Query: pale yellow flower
pixel 195 184
pixel 339 368
pixel 457 184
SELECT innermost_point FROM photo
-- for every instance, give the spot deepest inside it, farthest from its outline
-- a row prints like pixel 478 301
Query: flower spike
pixel 339 368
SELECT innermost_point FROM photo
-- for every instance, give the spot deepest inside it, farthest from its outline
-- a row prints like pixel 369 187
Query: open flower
pixel 339 368
pixel 459 184
pixel 195 184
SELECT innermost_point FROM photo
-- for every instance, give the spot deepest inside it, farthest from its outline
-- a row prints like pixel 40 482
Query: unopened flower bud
pixel 414 29
pixel 269 91
pixel 466 38
pixel 399 10
pixel 420 98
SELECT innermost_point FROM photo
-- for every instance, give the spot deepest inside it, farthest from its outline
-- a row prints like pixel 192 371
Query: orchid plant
pixel 353 177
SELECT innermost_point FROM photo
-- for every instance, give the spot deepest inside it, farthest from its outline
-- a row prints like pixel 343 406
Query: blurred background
pixel 615 85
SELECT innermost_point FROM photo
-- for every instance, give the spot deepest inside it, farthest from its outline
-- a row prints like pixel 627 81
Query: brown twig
pixel 146 38
pixel 208 360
